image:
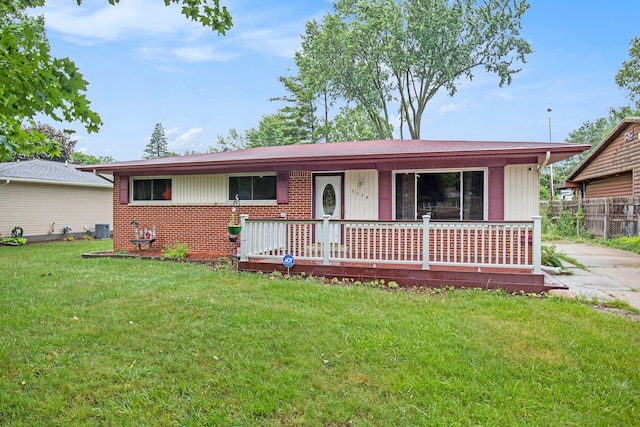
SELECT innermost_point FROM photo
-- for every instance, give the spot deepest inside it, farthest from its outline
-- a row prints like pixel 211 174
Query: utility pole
pixel 551 165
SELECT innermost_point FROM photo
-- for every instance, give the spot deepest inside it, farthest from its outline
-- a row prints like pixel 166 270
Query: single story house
pixel 46 200
pixel 612 168
pixel 289 194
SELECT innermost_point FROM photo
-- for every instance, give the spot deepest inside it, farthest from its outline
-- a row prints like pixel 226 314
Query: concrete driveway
pixel 613 273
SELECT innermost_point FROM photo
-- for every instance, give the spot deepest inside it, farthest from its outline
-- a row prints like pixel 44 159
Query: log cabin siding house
pixel 612 168
pixel 189 199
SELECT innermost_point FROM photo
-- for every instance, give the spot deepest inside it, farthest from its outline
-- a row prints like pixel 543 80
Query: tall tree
pixel 158 145
pixel 352 124
pixel 62 140
pixel 301 109
pixel 628 76
pixel 33 82
pixel 376 52
pixel 275 129
pixel 234 141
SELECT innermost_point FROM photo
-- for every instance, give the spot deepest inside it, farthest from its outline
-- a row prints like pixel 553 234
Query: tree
pixel 302 109
pixel 375 52
pixel 158 145
pixel 628 76
pixel 352 124
pixel 234 141
pixel 33 82
pixel 275 129
pixel 62 139
pixel 80 158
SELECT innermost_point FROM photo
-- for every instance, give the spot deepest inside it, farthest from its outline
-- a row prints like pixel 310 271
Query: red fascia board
pixel 336 161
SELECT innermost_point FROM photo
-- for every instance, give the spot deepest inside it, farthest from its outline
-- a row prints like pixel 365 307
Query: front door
pixel 328 201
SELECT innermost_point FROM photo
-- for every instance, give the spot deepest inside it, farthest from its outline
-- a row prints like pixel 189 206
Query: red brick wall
pixel 203 228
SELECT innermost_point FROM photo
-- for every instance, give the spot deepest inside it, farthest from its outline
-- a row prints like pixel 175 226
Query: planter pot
pixel 234 230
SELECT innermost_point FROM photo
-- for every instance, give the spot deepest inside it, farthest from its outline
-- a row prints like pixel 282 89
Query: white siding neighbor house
pixel 47 200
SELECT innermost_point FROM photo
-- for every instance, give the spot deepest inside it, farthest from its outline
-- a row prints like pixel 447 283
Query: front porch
pixel 471 254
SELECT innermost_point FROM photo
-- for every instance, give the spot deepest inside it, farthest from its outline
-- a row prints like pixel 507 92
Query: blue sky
pixel 147 64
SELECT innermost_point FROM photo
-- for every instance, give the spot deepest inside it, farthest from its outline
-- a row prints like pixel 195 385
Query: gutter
pixel 95 172
pixel 546 160
pixel 44 181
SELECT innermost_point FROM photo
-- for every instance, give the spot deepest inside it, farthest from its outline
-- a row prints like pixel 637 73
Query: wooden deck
pixel 510 280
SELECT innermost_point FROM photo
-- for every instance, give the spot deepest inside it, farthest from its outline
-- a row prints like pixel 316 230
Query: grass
pixel 133 342
pixel 631 244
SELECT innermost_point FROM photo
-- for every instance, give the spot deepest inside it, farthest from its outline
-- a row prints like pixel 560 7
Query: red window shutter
pixel 282 187
pixel 124 190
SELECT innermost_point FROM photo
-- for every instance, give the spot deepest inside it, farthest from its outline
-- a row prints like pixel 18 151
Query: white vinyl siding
pixel 361 194
pixel 200 189
pixel 39 208
pixel 521 192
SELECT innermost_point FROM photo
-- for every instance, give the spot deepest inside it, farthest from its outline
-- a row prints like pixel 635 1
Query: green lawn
pixel 136 343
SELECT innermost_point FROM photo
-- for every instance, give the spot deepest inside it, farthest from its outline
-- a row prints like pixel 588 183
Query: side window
pixel 253 187
pixel 151 189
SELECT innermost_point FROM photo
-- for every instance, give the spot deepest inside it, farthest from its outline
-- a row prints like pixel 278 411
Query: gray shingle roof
pixel 48 171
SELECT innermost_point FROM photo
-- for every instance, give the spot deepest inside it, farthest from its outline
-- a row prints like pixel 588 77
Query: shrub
pixel 14 241
pixel 177 250
pixel 549 257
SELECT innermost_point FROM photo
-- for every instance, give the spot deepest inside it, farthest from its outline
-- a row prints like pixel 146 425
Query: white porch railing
pixel 505 244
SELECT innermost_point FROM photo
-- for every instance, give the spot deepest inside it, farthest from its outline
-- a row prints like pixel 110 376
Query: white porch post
pixel 537 244
pixel 326 243
pixel 425 244
pixel 243 237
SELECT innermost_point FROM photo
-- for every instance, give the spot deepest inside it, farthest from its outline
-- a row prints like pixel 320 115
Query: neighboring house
pixel 613 166
pixel 189 198
pixel 43 197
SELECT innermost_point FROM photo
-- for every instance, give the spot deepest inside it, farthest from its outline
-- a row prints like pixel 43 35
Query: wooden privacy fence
pixel 504 244
pixel 603 217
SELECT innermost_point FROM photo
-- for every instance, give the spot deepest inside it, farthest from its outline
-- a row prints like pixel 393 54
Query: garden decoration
pixel 16 238
pixel 233 227
pixel 146 236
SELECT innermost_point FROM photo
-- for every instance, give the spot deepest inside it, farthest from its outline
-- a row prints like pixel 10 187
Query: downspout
pixel 95 172
pixel 8 181
pixel 547 156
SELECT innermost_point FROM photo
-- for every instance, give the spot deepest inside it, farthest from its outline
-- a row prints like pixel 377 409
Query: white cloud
pixel 271 40
pixel 96 21
pixel 445 109
pixel 183 140
pixel 200 54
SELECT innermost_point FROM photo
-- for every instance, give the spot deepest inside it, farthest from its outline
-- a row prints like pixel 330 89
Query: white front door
pixel 328 201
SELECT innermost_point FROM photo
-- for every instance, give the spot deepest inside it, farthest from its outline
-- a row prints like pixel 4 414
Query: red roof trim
pixel 340 155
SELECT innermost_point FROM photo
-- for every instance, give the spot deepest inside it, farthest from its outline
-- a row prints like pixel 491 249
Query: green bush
pixel 14 241
pixel 549 257
pixel 177 250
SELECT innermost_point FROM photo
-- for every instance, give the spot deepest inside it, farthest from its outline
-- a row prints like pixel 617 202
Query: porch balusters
pixel 537 244
pixel 425 247
pixel 471 244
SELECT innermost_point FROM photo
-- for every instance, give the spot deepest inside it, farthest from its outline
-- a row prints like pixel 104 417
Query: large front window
pixel 443 195
pixel 151 189
pixel 253 187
